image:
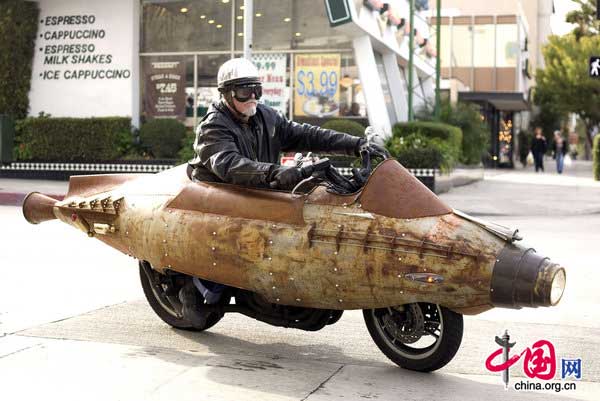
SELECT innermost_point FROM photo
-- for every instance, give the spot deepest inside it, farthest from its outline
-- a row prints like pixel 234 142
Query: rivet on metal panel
pixel 126 232
pixel 274 287
pixel 359 206
pixel 213 248
pixel 335 269
pixel 399 259
pixel 491 290
pixel 274 226
pixel 166 254
pixel 270 258
pixel 291 279
pixel 164 241
pixel 166 225
pixel 214 263
pixel 424 269
pixel 298 300
pixel 340 301
pixel 497 260
pixel 169 266
pixel 170 211
pixel 401 292
pixel 335 253
pixel 345 206
pixel 270 273
pixel 271 242
pixel 404 235
pixel 277 299
pixel 339 226
pixel 399 275
pixel 214 233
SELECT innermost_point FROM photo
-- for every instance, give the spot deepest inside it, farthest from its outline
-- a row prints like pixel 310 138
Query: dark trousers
pixel 538 159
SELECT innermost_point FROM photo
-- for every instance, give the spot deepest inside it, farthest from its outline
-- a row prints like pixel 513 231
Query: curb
pixel 16 198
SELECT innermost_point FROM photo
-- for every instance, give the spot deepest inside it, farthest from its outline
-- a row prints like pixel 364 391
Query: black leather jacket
pixel 235 152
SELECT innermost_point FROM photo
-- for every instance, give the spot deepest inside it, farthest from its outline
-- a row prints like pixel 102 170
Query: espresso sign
pixel 164 95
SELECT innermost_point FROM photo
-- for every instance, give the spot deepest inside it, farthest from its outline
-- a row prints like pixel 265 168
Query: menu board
pixel 316 86
pixel 164 91
pixel 272 72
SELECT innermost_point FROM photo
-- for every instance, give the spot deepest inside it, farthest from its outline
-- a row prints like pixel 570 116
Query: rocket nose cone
pixel 521 277
pixel 38 207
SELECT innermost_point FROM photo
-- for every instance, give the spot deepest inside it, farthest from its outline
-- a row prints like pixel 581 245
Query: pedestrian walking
pixel 559 149
pixel 538 149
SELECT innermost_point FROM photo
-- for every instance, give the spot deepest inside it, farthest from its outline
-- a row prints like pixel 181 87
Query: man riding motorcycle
pixel 239 140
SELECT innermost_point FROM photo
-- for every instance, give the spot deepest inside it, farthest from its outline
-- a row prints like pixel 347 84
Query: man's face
pixel 245 99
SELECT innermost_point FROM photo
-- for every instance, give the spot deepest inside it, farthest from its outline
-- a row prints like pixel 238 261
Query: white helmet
pixel 237 71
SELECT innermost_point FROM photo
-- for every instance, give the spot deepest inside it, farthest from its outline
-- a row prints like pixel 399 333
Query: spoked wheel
pixel 162 294
pixel 418 336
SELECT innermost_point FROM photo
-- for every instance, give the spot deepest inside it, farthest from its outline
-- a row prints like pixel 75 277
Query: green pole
pixel 438 62
pixel 411 53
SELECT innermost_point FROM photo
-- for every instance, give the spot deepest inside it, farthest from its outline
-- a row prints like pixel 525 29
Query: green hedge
pixel 72 139
pixel 426 144
pixel 163 137
pixel 18 30
pixel 597 157
pixel 347 126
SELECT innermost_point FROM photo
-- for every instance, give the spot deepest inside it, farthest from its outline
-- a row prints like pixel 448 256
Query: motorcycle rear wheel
pixel 397 330
pixel 170 314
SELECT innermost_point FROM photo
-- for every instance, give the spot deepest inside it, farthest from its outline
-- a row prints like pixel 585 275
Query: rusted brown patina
pixel 394 192
pixel 310 250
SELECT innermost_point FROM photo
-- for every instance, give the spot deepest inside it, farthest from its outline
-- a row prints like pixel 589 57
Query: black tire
pixel 155 295
pixel 426 359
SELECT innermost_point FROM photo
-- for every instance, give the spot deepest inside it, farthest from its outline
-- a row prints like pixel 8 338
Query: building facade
pixel 489 57
pixel 159 58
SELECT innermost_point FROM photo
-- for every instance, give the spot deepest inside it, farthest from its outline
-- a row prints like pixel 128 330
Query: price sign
pixel 164 95
pixel 316 86
pixel 272 74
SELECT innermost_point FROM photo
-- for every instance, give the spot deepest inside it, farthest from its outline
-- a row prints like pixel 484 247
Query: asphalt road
pixel 74 324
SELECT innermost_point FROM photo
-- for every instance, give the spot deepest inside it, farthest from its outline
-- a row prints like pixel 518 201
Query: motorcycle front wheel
pixel 161 293
pixel 419 336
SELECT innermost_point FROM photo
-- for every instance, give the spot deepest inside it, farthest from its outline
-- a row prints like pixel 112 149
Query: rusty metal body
pixel 392 243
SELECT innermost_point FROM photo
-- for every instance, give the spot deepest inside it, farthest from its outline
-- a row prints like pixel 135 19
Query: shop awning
pixel 504 101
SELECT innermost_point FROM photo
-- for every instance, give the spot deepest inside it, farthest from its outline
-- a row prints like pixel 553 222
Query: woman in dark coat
pixel 538 149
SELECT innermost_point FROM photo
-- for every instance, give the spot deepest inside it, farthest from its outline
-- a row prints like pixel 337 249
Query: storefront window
pixel 507 46
pixel 175 26
pixel 483 37
pixel 207 93
pixel 352 99
pixel 287 24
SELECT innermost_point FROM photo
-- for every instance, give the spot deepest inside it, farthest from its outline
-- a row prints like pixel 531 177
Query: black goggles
pixel 244 93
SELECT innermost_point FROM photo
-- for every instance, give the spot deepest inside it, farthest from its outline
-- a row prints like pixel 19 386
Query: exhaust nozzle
pixel 38 207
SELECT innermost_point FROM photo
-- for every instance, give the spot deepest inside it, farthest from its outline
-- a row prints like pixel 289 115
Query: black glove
pixel 373 149
pixel 287 177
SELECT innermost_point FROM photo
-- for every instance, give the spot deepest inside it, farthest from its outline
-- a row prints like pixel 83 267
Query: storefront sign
pixel 85 61
pixel 164 95
pixel 316 87
pixel 272 73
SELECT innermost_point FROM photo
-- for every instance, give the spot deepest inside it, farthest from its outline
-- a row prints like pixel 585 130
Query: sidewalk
pixel 13 191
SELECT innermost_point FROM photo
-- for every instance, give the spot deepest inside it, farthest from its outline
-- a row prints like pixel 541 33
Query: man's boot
pixel 191 302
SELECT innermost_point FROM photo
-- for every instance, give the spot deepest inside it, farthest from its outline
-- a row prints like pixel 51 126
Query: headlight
pixel 558 286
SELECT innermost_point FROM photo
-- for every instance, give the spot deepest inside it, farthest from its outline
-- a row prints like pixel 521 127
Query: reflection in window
pixel 507 46
pixel 297 24
pixel 483 37
pixel 207 93
pixel 197 25
pixel 352 99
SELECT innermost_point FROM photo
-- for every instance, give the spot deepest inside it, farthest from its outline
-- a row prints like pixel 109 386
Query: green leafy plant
pixel 418 151
pixel 597 157
pixel 346 126
pixel 18 30
pixel 71 139
pixel 162 137
pixel 187 147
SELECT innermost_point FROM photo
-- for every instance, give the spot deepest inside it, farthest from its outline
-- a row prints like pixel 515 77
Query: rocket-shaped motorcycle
pixel 393 249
